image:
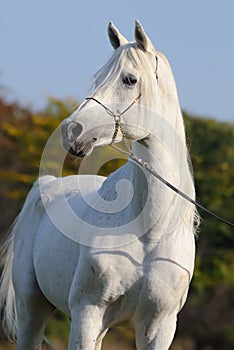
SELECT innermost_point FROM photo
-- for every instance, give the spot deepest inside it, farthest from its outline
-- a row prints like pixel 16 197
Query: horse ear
pixel 115 37
pixel 142 40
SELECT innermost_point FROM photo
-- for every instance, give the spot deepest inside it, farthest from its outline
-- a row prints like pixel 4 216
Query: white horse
pixel 108 250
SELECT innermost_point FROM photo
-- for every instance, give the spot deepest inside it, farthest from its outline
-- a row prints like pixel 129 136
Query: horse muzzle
pixel 80 149
pixel 71 132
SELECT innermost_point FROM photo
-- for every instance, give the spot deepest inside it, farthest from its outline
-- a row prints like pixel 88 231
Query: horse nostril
pixel 73 131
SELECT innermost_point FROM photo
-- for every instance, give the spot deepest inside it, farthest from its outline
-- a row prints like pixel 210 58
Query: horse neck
pixel 166 153
pixel 165 149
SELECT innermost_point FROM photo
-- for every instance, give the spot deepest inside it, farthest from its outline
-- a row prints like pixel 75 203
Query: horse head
pixel 123 88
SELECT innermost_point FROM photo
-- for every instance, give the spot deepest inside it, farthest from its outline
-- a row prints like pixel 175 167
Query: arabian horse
pixel 109 250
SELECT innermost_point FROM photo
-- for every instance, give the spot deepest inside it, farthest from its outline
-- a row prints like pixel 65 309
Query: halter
pixel 156 68
pixel 117 119
pixel 142 163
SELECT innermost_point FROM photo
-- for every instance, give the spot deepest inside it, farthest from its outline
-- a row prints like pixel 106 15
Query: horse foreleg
pixel 98 344
pixel 86 328
pixel 157 335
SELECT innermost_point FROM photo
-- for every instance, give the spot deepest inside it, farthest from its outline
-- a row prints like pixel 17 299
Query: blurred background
pixel 49 52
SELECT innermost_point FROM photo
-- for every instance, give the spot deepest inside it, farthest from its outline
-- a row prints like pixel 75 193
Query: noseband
pixel 117 119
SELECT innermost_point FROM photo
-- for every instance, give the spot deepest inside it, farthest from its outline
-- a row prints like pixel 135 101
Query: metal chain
pixel 117 118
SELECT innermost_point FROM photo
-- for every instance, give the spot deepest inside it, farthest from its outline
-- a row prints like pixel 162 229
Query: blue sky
pixel 53 47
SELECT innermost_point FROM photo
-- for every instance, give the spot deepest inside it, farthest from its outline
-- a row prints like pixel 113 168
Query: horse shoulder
pixel 111 273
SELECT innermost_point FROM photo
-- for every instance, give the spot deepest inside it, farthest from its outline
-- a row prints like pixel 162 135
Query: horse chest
pixel 130 288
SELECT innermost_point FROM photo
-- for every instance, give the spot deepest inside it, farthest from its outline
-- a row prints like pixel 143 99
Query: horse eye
pixel 129 80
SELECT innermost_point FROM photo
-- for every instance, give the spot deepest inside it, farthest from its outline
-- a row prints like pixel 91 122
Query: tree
pixel 23 137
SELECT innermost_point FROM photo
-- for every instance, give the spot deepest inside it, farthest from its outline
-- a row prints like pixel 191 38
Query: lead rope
pixel 173 188
pixel 145 165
